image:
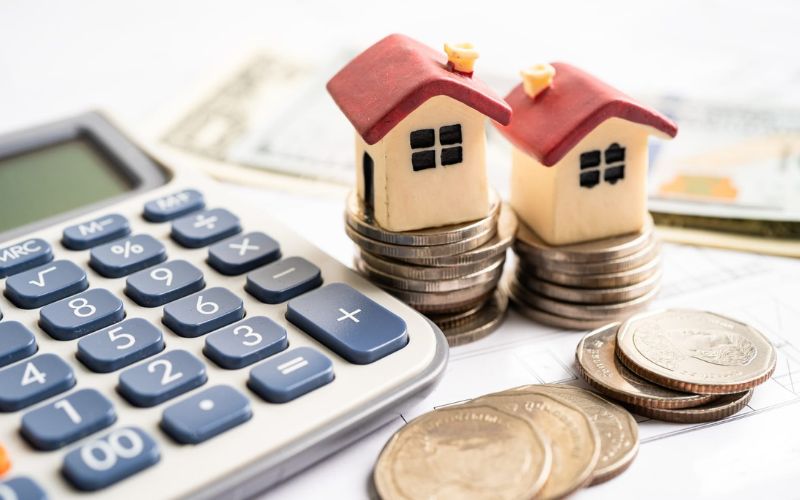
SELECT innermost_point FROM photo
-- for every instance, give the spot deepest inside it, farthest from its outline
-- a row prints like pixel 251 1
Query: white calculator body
pixel 161 339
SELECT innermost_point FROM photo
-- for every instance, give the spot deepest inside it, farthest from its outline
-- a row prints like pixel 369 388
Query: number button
pixel 204 228
pixel 65 421
pixel 173 205
pixel 291 374
pixel 164 283
pixel 122 257
pixel 120 345
pixel 76 316
pixel 203 312
pixel 353 326
pixel 282 280
pixel 119 454
pixel 24 255
pixel 31 381
pixel 206 414
pixel 16 342
pixel 245 342
pixel 243 253
pixel 163 378
pixel 21 488
pixel 95 232
pixel 45 284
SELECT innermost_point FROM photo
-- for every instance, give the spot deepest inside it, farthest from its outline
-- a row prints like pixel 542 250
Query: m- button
pixel 355 327
pixel 23 256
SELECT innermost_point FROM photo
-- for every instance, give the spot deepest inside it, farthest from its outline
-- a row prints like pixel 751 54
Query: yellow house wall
pixel 406 200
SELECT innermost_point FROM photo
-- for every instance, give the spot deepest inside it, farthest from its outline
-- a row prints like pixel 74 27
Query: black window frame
pixel 607 165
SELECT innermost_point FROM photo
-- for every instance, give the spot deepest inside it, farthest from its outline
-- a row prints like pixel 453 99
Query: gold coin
pixel 616 427
pixel 571 434
pixel 464 452
pixel 721 407
pixel 601 368
pixel 695 351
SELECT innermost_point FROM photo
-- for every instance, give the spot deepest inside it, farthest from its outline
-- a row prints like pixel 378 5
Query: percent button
pixel 123 257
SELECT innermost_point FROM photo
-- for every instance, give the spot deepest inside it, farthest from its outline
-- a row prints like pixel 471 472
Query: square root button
pixel 355 327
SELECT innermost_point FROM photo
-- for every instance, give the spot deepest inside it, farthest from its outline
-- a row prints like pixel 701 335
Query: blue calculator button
pixel 68 419
pixel 86 312
pixel 164 283
pixel 162 378
pixel 352 325
pixel 109 459
pixel 282 280
pixel 24 255
pixel 243 253
pixel 44 284
pixel 123 257
pixel 31 381
pixel 173 205
pixel 203 312
pixel 206 414
pixel 120 345
pixel 21 488
pixel 16 342
pixel 291 374
pixel 243 343
pixel 95 232
pixel 204 228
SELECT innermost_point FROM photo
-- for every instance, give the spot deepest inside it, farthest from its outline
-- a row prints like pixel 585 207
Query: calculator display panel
pixel 44 182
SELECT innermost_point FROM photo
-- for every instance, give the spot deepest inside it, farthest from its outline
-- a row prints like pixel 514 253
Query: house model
pixel 419 116
pixel 580 155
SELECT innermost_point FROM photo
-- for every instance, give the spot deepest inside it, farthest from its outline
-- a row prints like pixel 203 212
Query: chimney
pixel 537 78
pixel 461 57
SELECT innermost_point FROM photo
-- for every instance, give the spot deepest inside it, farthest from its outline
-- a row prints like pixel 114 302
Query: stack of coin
pixel 585 285
pixel 677 365
pixel 535 441
pixel 448 273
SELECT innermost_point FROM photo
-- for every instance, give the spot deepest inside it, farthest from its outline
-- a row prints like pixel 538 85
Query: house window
pixel 610 163
pixel 424 147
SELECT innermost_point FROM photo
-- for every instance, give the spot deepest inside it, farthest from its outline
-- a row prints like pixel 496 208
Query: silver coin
pixel 632 261
pixel 478 325
pixel 356 218
pixel 491 273
pixel 719 408
pixel 610 280
pixel 445 302
pixel 590 251
pixel 550 319
pixel 415 272
pixel 506 229
pixel 589 295
pixel 406 252
pixel 600 312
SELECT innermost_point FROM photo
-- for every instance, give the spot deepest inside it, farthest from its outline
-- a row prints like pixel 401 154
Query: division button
pixel 204 228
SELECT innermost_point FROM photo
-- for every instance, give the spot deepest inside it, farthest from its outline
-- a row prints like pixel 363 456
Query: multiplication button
pixel 243 253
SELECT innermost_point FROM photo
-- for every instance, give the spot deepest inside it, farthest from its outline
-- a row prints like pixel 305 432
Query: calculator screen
pixel 54 179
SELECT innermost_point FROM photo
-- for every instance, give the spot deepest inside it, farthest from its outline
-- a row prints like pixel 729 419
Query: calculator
pixel 160 339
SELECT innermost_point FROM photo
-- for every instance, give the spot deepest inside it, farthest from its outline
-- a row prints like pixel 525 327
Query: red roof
pixel 389 80
pixel 550 125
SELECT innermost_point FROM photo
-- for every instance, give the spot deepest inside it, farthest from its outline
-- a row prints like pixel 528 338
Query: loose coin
pixel 429 252
pixel 609 280
pixel 695 351
pixel 547 318
pixel 572 436
pixel 465 452
pixel 590 295
pixel 416 272
pixel 600 367
pixel 722 407
pixel 356 218
pixel 616 427
pixel 506 228
pixel 490 274
pixel 620 264
pixel 463 330
pixel 590 251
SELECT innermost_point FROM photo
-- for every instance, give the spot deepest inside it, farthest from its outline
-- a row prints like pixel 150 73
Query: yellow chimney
pixel 537 78
pixel 461 57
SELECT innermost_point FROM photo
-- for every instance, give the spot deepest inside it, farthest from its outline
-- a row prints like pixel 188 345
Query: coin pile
pixel 534 441
pixel 677 365
pixel 585 285
pixel 448 273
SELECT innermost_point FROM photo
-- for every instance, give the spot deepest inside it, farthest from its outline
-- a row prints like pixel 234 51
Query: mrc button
pixel 24 255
